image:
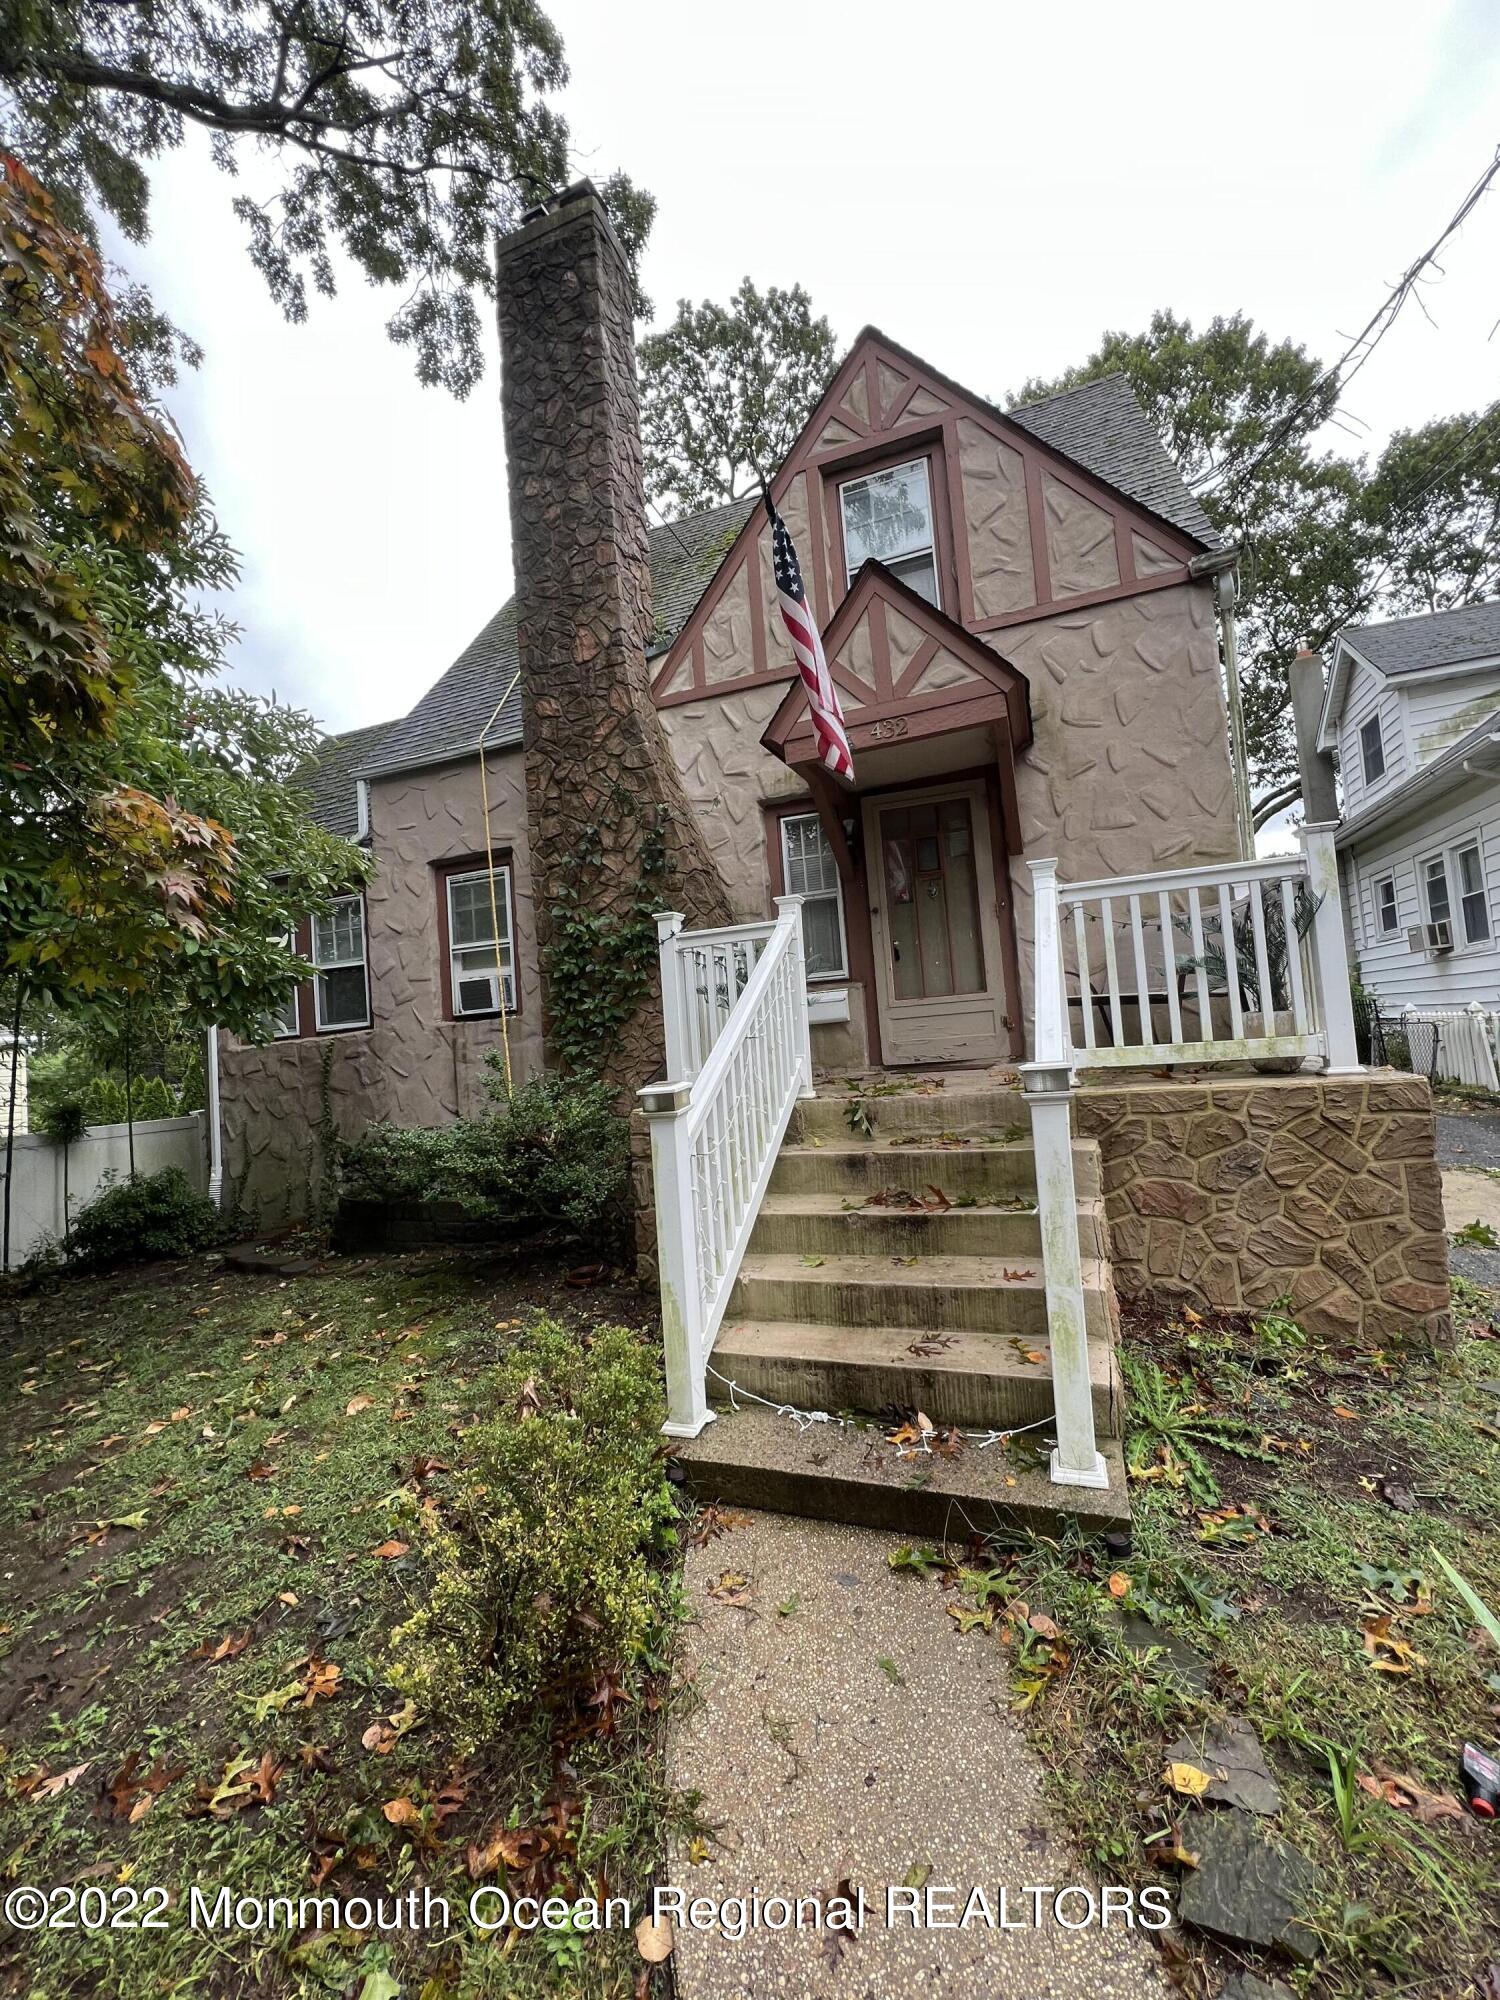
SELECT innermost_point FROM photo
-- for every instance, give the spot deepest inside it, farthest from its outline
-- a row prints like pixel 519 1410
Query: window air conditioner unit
pixel 479 993
pixel 1431 937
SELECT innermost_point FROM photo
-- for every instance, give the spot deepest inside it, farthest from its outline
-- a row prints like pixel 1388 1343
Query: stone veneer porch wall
pixel 1237 1191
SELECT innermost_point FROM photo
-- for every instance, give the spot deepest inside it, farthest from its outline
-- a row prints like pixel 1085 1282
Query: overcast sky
pixel 992 185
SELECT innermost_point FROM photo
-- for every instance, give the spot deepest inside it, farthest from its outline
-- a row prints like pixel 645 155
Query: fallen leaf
pixel 227 1648
pixel 401 1812
pixel 357 1403
pixel 1119 1584
pixel 51 1787
pixel 1342 1410
pixel 653 1939
pixel 1187 1779
pixel 389 1551
pixel 1407 1794
pixel 731 1588
pixel 1388 1652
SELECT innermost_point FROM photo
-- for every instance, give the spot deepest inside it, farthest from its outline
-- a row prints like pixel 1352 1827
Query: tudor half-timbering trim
pixel 885 405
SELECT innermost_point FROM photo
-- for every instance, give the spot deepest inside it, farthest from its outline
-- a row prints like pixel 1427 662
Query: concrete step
pixel 824 1222
pixel 853 1167
pixel 976 1380
pixel 1001 1114
pixel 950 1294
pixel 756 1458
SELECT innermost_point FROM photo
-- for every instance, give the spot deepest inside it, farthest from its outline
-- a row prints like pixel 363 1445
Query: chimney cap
pixel 554 211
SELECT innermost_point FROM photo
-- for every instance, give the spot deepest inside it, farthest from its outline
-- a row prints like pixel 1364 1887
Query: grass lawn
pixel 215 1486
pixel 1305 1577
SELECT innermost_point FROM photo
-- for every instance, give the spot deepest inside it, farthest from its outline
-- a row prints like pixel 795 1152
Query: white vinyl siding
pixel 1371 699
pixel 1388 966
pixel 1439 712
pixel 341 992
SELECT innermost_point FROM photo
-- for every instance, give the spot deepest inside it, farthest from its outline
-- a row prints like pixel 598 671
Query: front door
pixel 936 929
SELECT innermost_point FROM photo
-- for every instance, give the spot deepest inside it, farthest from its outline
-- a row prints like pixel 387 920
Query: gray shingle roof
pixel 1434 639
pixel 335 804
pixel 448 719
pixel 1101 426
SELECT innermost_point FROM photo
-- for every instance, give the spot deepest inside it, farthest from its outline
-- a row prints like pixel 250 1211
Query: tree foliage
pixel 1327 538
pixel 157 839
pixel 408 133
pixel 725 390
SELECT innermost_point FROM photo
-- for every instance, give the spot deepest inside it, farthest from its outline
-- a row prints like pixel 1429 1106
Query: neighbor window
pixel 1387 917
pixel 286 1020
pixel 888 515
pixel 1472 899
pixel 1435 886
pixel 481 958
pixel 1372 749
pixel 341 996
pixel 809 870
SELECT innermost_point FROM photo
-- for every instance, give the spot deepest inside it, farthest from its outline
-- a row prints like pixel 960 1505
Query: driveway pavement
pixel 1466 1142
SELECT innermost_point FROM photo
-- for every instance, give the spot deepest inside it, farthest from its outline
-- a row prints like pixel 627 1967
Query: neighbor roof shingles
pixel 449 718
pixel 1101 426
pixel 335 802
pixel 1433 639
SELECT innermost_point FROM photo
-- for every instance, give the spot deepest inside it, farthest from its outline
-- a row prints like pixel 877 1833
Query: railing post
pixel 677 1252
pixel 673 1000
pixel 1048 1083
pixel 789 915
pixel 1330 954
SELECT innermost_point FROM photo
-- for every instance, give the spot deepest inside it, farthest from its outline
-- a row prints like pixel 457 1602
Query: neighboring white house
pixel 1412 712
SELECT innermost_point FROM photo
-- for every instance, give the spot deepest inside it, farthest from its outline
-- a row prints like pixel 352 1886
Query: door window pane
pixel 1472 897
pixel 888 515
pixel 932 900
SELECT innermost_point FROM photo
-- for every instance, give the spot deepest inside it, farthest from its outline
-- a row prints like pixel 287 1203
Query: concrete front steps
pixel 928 1298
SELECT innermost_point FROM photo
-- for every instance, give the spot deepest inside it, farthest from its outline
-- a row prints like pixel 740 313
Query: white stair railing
pixel 739 1055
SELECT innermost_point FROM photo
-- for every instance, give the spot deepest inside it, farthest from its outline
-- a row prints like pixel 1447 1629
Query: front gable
pixel 903 670
pixel 1021 530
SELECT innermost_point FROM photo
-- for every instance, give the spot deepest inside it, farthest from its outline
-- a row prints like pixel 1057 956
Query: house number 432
pixel 890 725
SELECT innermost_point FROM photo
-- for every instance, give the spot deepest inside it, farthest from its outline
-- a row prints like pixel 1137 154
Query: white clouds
pixel 993 185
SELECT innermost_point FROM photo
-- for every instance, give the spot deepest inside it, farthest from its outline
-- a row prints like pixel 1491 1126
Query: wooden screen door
pixel 936 930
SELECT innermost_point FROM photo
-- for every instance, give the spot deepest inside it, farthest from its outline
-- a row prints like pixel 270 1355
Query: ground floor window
pixel 286 1020
pixel 341 994
pixel 481 951
pixel 1472 898
pixel 1387 916
pixel 809 870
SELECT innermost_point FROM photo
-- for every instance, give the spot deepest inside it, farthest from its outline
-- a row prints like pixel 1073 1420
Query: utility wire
pixel 1370 335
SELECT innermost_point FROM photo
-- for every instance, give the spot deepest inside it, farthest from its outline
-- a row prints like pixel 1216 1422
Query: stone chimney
pixel 609 822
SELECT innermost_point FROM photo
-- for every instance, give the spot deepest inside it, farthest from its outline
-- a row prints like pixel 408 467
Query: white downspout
pixel 215 1130
pixel 1224 596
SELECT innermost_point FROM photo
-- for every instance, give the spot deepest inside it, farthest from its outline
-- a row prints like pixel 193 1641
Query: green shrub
pixel 154 1215
pixel 105 1103
pixel 548 1566
pixel 553 1154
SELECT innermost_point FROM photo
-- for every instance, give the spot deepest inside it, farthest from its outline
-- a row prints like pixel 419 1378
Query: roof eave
pixel 1411 796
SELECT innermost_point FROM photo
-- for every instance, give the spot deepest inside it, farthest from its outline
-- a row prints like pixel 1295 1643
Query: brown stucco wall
pixel 1240 1191
pixel 410 1065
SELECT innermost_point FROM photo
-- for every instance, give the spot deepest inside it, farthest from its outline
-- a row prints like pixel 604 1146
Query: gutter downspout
pixel 1222 566
pixel 215 1130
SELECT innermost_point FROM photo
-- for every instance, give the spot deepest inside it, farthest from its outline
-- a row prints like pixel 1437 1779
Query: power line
pixel 1374 330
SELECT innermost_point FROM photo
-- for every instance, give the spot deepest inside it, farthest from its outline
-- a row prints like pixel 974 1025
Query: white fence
pixel 1468 1042
pixel 36 1194
pixel 739 1055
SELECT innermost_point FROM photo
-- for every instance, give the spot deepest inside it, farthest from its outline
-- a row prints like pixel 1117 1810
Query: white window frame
pixel 882 471
pixel 1461 938
pixel 322 965
pixel 1383 930
pixel 504 947
pixel 279 1030
pixel 1424 887
pixel 1372 721
pixel 837 892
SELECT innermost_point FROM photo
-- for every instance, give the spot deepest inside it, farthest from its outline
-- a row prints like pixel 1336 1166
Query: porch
pixel 1139 1146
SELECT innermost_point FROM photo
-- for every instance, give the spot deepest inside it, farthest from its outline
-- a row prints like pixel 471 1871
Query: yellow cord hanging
pixel 489 862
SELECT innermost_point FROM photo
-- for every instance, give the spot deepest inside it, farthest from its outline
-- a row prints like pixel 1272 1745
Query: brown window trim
pixel 807 808
pixel 878 458
pixel 469 864
pixel 307 999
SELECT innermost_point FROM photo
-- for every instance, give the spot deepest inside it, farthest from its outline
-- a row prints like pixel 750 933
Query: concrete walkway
pixel 854 1736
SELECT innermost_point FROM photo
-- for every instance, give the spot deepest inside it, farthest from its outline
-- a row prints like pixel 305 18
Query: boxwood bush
pixel 554 1154
pixel 150 1215
pixel 549 1564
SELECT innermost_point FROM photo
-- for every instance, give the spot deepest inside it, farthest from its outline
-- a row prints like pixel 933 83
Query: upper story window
pixel 888 515
pixel 1372 749
pixel 481 957
pixel 809 870
pixel 341 995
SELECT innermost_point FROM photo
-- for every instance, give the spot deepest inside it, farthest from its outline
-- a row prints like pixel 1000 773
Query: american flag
pixel 802 627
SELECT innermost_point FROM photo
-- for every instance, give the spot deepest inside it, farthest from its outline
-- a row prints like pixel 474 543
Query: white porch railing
pixel 1234 961
pixel 739 1055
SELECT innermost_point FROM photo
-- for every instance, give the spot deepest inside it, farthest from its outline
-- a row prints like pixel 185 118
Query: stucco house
pixel 1022 613
pixel 1411 712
